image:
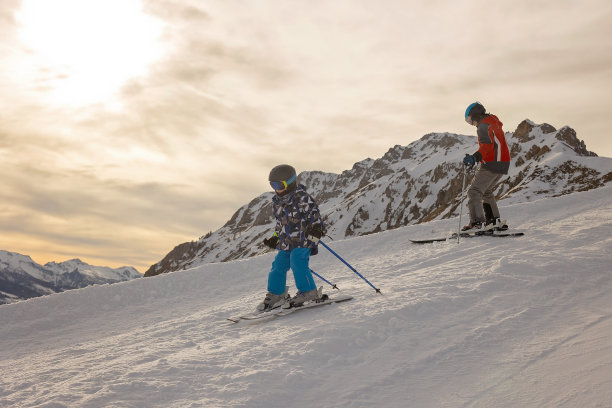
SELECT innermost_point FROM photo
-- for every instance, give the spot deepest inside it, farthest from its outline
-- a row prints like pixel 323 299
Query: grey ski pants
pixel 481 191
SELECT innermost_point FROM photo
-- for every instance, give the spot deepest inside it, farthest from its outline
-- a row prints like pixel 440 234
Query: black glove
pixel 271 242
pixel 314 233
pixel 469 160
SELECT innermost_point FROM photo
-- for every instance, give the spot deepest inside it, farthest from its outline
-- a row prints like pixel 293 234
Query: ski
pixel 279 311
pixel 500 234
pixel 256 315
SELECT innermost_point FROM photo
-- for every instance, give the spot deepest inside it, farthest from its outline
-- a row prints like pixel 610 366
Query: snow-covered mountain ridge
pixel 408 185
pixel 489 322
pixel 22 278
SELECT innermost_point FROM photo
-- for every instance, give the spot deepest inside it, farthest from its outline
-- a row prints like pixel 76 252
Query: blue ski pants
pixel 296 260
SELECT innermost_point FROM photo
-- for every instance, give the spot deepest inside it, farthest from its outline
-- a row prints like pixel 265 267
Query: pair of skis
pixel 279 311
pixel 484 233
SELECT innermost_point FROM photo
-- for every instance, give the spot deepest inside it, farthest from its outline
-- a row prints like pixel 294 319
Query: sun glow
pixel 83 51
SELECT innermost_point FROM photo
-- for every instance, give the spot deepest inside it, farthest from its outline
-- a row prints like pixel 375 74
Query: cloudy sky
pixel 128 127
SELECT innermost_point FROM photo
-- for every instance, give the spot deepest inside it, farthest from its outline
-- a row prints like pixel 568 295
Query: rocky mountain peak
pixel 568 136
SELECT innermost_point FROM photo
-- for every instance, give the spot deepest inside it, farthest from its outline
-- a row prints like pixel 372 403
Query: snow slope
pixel 489 322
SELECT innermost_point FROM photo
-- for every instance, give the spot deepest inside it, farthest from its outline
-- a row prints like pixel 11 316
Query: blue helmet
pixel 474 108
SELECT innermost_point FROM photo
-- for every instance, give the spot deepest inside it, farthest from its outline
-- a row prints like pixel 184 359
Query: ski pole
pixel 350 267
pixel 462 198
pixel 333 285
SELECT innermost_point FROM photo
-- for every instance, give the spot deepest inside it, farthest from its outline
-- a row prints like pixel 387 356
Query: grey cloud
pixel 80 195
pixel 196 57
pixel 174 12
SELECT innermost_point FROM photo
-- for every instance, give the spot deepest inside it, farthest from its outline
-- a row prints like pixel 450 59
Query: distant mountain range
pixel 408 185
pixel 22 278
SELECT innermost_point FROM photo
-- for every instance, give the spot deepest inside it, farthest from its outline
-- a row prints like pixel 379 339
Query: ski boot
pixel 302 298
pixel 500 225
pixel 273 301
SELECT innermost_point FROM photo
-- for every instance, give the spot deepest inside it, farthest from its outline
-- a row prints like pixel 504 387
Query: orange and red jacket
pixel 492 151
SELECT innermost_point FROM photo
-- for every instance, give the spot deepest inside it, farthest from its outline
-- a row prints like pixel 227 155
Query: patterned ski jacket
pixel 294 213
pixel 492 148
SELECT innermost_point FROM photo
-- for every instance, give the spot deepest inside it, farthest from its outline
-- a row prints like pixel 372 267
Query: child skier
pixel 297 233
pixel 494 155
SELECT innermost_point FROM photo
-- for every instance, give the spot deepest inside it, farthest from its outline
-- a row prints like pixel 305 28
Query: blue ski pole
pixel 350 267
pixel 333 285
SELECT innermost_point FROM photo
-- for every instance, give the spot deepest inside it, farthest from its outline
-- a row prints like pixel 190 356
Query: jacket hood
pixel 492 120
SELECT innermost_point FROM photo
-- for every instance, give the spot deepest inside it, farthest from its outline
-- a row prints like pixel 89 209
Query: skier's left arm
pixel 314 227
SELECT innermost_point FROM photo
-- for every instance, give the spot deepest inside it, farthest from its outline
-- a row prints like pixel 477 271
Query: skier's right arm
pixel 271 242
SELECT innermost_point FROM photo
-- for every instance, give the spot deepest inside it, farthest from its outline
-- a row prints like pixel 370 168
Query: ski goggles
pixel 281 185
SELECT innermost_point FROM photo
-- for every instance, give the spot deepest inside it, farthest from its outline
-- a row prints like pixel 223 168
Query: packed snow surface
pixel 487 322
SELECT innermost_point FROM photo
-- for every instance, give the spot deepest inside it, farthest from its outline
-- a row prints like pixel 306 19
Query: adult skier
pixel 494 156
pixel 296 236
